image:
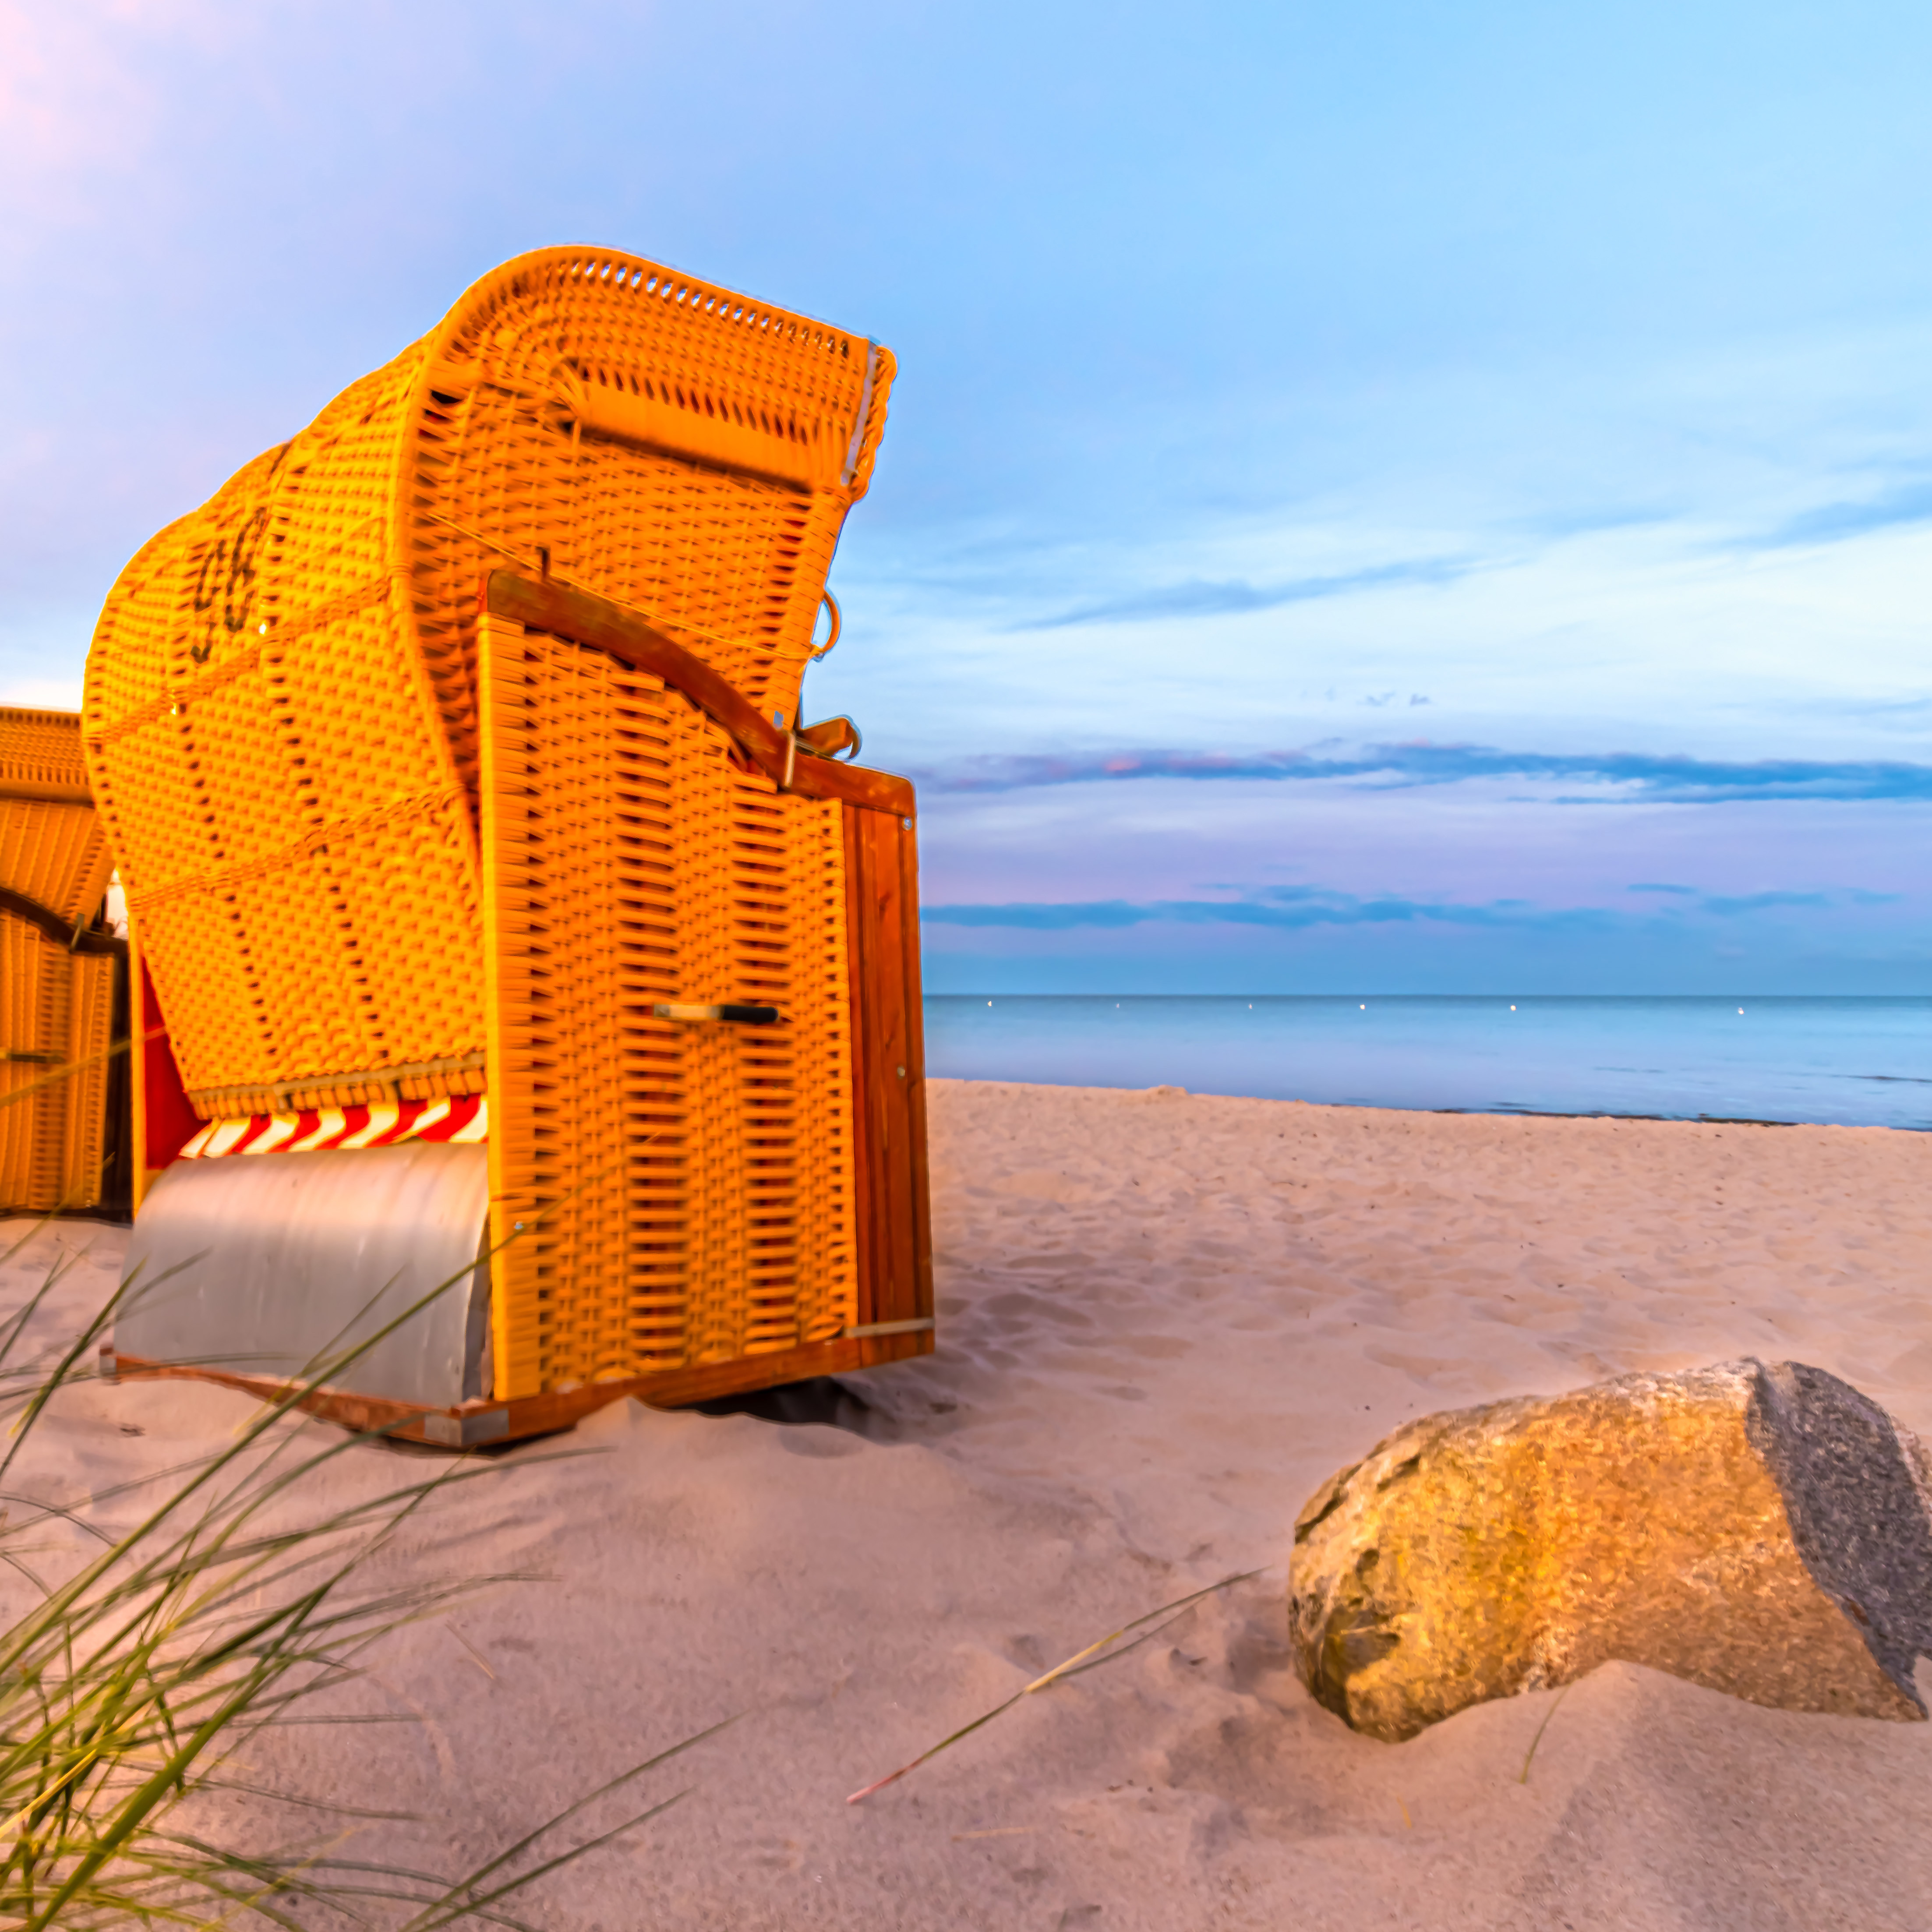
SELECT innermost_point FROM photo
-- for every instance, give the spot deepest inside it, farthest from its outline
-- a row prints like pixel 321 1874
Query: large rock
pixel 1763 1530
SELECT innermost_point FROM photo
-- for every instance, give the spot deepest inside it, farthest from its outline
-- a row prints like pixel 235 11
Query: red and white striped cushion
pixel 466 1118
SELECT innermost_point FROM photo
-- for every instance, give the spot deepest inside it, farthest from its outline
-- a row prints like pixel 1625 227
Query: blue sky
pixel 1386 497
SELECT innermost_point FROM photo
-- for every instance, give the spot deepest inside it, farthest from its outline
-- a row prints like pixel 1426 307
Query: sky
pixel 1384 496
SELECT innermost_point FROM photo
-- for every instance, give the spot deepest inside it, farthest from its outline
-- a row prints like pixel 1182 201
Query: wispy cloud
pixel 1199 597
pixel 1630 776
pixel 1833 522
pixel 1291 909
pixel 1731 905
pixel 1295 908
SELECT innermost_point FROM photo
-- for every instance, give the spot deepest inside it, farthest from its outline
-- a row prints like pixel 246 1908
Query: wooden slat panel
pixel 918 1204
pixel 90 1017
pixel 895 1266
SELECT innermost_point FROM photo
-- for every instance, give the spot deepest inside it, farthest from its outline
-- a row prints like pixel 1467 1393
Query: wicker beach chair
pixel 480 871
pixel 57 973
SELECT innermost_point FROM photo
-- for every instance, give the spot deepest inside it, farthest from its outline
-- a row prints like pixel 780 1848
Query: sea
pixel 1863 1062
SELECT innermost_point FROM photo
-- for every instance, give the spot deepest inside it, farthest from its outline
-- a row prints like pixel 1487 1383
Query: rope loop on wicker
pixel 838 625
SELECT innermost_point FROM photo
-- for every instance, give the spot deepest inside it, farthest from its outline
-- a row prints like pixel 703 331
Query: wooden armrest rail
pixel 587 619
pixel 61 931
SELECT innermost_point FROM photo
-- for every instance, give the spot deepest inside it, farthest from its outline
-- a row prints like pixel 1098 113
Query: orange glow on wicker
pixel 384 854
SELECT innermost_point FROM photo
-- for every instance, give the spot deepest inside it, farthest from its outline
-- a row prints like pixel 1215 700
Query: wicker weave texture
pixel 670 1194
pixel 293 837
pixel 282 720
pixel 55 1008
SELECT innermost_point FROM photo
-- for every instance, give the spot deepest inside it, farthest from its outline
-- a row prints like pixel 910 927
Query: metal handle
pixel 734 1016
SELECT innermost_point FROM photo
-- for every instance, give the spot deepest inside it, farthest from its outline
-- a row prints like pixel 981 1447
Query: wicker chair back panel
pixel 654 438
pixel 295 841
pixel 282 706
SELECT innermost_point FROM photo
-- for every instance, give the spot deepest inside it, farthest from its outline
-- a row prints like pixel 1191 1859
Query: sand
pixel 1164 1320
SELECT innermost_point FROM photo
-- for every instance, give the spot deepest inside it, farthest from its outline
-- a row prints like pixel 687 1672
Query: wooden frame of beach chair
pixel 450 755
pixel 62 976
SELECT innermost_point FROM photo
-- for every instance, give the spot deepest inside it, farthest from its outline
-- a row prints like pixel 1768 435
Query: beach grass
pixel 172 1618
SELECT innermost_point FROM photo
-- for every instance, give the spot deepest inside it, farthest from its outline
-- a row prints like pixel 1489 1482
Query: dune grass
pixel 233 1596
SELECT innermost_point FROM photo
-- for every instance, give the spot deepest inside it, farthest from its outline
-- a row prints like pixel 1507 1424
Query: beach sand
pixel 1164 1319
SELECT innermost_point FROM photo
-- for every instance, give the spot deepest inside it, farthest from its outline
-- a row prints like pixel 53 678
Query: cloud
pixel 1296 908
pixel 1729 905
pixel 1199 599
pixel 1290 908
pixel 1632 776
pixel 1834 522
